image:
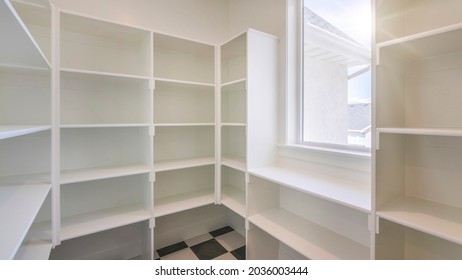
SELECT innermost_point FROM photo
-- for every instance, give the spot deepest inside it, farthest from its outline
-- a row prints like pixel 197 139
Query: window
pixel 336 76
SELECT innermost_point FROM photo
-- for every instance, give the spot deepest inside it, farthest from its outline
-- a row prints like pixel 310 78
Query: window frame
pixel 295 89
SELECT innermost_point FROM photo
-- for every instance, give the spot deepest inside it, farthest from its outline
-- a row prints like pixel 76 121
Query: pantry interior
pixel 126 126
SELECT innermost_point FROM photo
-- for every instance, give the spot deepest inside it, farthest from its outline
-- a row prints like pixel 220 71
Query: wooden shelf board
pixel 97 221
pixel 9 131
pixel 177 203
pixel 184 163
pixel 234 162
pixel 430 43
pixel 430 217
pixel 98 173
pixel 234 199
pixel 457 132
pixel 338 190
pixel 19 49
pixel 309 239
pixel 25 202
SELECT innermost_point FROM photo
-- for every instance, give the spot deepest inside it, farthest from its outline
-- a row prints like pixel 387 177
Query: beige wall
pixel 202 20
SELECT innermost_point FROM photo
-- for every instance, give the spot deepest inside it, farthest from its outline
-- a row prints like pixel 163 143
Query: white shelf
pixel 309 239
pixel 182 124
pixel 234 162
pixel 234 199
pixel 25 202
pixel 182 202
pixel 37 244
pixel 182 59
pixel 92 222
pixel 426 216
pixel 104 125
pixel 9 131
pixel 338 190
pixel 431 43
pixel 68 71
pixel 234 124
pixel 89 174
pixel 184 163
pixel 183 82
pixel 19 49
pixel 26 179
pixel 236 84
pixel 88 73
pixel 422 131
pixel 34 250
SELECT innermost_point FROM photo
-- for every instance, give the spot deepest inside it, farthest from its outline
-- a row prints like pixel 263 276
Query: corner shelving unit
pixel 184 123
pixel 283 221
pixel 418 130
pixel 105 126
pixel 25 141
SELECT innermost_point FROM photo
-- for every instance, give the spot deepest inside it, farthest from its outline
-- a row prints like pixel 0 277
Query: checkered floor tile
pixel 221 244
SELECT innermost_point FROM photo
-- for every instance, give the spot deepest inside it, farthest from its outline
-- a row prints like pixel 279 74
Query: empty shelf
pixel 25 202
pixel 98 173
pixel 234 199
pixel 97 221
pixel 348 193
pixel 308 238
pixel 177 203
pixel 181 164
pixel 430 217
pixel 9 131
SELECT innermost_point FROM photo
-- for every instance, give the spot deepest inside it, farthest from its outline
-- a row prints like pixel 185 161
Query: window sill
pixel 333 151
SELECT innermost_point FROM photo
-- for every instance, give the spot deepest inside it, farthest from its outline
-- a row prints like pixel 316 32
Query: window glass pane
pixel 336 72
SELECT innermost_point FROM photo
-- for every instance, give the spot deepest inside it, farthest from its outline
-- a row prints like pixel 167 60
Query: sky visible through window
pixel 354 18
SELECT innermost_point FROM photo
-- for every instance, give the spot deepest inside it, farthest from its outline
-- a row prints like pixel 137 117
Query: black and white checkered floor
pixel 221 244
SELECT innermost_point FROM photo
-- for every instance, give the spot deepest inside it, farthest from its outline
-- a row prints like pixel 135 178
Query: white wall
pixel 202 20
pixel 263 15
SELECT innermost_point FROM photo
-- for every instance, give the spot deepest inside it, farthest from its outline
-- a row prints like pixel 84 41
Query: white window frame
pixel 294 88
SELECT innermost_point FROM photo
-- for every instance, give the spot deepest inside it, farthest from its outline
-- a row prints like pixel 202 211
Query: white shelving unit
pixel 418 129
pixel 184 121
pixel 105 122
pixel 25 141
pixel 233 185
pixel 183 189
pixel 339 190
pixel 121 50
pixel 248 83
pixel 8 131
pixel 301 222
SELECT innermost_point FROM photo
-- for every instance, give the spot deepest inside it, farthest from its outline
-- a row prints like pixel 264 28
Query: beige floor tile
pixel 227 256
pixel 198 239
pixel 231 240
pixel 185 254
